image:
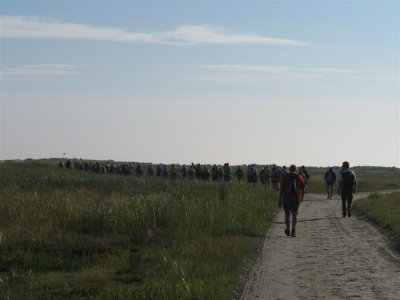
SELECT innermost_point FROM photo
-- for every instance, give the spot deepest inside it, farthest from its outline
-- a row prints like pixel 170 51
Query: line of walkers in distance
pixel 267 175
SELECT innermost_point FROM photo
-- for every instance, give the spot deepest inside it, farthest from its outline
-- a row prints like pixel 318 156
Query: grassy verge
pixel 384 210
pixel 68 234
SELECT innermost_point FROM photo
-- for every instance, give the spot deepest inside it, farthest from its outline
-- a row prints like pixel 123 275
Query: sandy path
pixel 331 258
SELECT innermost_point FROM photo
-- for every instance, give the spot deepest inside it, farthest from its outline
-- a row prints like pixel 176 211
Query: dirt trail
pixel 331 258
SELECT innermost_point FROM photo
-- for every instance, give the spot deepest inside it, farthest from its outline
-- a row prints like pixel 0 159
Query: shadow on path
pixel 310 220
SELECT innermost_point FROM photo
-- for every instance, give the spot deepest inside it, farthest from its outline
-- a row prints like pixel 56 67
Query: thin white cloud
pixel 45 28
pixel 39 70
pixel 246 73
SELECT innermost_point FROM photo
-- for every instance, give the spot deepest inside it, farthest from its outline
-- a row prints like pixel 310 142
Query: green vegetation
pixel 69 234
pixel 384 210
pixel 369 179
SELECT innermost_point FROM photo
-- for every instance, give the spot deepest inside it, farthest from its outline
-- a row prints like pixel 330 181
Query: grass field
pixel 69 234
pixel 383 210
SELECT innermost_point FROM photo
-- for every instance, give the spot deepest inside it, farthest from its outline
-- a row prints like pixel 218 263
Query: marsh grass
pixel 69 234
pixel 383 210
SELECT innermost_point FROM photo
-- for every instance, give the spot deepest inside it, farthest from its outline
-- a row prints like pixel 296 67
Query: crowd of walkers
pixel 266 175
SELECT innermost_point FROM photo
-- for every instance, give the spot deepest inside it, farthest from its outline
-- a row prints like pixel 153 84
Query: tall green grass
pixel 384 210
pixel 69 234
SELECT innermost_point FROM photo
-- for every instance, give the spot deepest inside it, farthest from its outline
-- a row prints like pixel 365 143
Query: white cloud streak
pixel 24 27
pixel 39 70
pixel 246 73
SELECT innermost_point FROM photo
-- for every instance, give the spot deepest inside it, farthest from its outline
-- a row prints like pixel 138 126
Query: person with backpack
pixel 304 190
pixel 329 178
pixel 347 187
pixel 239 174
pixel 268 175
pixel 227 172
pixel 305 172
pixel 139 170
pixel 184 171
pixel 291 188
pixel 173 172
pixel 275 178
pixel 150 170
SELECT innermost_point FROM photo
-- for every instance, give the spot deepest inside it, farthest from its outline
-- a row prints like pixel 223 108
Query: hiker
pixel 347 186
pixel 150 170
pixel 184 171
pixel 239 174
pixel 275 179
pixel 103 169
pixel 68 164
pixel 268 174
pixel 330 178
pixel 227 172
pixel 197 172
pixel 173 172
pixel 305 172
pixel 263 177
pixel 60 164
pixel 220 174
pixel 292 185
pixel 214 173
pixel 304 176
pixel 165 171
pixel 283 171
pixel 252 174
pixel 192 172
pixel 205 174
pixel 159 170
pixel 139 171
pixel 304 190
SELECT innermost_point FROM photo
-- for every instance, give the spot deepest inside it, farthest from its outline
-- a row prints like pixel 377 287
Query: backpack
pixel 292 189
pixel 347 178
pixel 330 176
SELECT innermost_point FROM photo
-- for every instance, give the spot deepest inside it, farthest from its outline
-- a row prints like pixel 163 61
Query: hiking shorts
pixel 291 206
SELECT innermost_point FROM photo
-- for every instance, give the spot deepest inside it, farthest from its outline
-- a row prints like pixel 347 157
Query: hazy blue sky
pixel 305 82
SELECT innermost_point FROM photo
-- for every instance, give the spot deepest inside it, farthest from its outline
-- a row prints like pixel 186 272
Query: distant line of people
pixel 97 167
pixel 267 175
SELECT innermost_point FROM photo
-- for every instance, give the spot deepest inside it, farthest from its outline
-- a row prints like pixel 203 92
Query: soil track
pixel 331 258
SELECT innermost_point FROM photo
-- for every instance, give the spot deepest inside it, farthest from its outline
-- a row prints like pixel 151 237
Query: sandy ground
pixel 331 258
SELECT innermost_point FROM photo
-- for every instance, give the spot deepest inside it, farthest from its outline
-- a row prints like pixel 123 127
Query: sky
pixel 306 82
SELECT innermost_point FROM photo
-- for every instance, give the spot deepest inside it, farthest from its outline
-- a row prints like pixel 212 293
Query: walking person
pixel 239 174
pixel 275 179
pixel 347 187
pixel 291 189
pixel 329 178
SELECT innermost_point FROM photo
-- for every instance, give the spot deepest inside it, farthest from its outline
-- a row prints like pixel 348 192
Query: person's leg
pixel 294 210
pixel 286 207
pixel 349 202
pixel 327 191
pixel 287 221
pixel 294 222
pixel 344 210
